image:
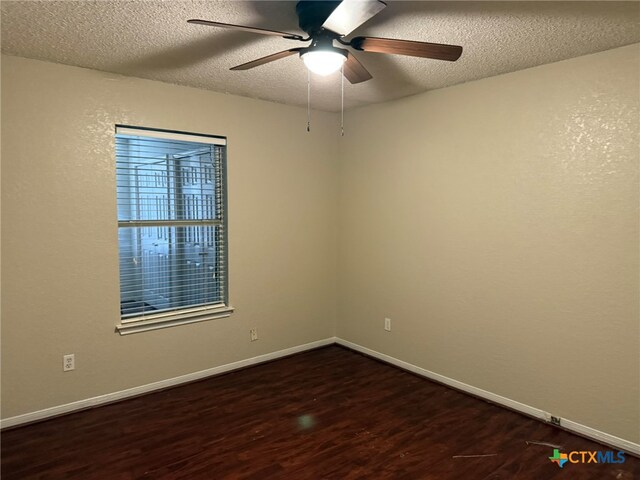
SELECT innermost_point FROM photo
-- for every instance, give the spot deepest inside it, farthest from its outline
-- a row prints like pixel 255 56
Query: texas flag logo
pixel 559 458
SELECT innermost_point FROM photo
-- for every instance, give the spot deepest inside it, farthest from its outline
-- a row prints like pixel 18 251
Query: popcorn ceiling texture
pixel 151 39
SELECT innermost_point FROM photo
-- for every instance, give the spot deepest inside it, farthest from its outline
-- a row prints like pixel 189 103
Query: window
pixel 172 230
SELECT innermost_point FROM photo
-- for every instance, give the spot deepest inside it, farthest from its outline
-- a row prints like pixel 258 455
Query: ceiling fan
pixel 326 21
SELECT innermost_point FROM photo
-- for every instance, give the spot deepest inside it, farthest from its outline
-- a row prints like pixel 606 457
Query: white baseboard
pixel 572 426
pixel 150 387
pixel 602 437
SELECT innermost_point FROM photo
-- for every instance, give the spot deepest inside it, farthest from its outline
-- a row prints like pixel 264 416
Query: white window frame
pixel 187 315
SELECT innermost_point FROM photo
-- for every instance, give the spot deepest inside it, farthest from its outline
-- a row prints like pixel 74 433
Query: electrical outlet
pixel 555 420
pixel 254 334
pixel 69 362
pixel 387 324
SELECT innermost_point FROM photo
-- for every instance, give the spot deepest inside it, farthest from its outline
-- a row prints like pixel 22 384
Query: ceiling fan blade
pixel 350 14
pixel 438 51
pixel 267 59
pixel 262 31
pixel 354 71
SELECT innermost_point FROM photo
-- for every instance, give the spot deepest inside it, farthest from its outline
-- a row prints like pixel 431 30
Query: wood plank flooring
pixel 326 414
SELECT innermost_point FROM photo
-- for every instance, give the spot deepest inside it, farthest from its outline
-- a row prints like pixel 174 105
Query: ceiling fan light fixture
pixel 324 62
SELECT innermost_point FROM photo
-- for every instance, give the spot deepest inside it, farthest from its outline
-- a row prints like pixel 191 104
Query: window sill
pixel 172 319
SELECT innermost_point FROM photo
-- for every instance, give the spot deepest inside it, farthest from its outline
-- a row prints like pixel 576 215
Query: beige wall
pixel 59 245
pixel 496 224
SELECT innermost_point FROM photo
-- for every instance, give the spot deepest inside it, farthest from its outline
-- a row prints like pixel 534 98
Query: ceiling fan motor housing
pixel 313 13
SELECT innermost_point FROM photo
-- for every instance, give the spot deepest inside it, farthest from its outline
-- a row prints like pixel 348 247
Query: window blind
pixel 171 223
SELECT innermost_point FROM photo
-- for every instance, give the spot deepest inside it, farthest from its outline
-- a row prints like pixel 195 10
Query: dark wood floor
pixel 325 414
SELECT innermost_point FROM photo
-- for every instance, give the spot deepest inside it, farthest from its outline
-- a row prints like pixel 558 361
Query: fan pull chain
pixel 308 101
pixel 342 101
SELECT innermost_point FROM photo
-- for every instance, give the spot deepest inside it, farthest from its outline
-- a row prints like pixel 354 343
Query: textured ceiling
pixel 151 39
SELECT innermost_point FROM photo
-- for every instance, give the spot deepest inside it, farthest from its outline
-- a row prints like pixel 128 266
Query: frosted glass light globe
pixel 323 62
